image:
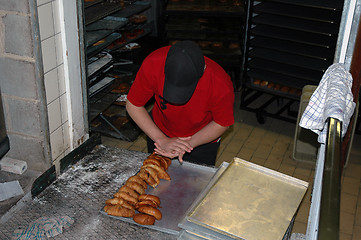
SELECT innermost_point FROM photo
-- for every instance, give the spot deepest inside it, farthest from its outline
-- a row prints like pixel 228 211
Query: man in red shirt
pixel 193 106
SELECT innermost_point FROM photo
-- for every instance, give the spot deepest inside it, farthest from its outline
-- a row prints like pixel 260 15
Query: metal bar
pixel 112 126
pixel 269 101
pixel 285 107
pixel 249 99
pixel 331 184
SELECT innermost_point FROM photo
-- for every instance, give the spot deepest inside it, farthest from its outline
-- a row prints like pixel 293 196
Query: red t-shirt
pixel 212 99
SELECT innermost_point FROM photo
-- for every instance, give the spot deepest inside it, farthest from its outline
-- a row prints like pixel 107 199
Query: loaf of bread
pixel 119 211
pixel 152 211
pixel 131 196
pixel 145 197
pixel 144 219
pixel 130 199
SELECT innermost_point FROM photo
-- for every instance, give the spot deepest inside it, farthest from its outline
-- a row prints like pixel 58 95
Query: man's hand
pixel 173 147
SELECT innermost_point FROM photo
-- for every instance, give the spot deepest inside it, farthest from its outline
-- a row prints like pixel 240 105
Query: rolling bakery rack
pixel 290 44
pixel 216 25
pixel 114 33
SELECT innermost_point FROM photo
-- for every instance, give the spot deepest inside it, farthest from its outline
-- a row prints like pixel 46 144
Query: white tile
pixel 56 163
pixel 59 49
pixel 46 22
pixel 51 85
pixel 67 151
pixel 66 136
pixel 56 16
pixel 56 143
pixel 49 54
pixel 41 2
pixel 54 115
pixel 63 108
pixel 61 78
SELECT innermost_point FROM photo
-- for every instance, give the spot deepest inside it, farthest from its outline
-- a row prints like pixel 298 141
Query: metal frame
pixel 324 214
pixel 331 183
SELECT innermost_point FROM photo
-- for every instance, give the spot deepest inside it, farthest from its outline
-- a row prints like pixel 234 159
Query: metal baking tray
pixel 187 182
pixel 102 28
pixel 98 11
pixel 247 201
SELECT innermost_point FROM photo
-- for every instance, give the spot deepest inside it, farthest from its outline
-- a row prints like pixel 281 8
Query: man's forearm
pixel 207 134
pixel 142 118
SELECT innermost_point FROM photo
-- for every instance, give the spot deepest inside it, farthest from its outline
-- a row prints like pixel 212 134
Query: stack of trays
pixel 244 201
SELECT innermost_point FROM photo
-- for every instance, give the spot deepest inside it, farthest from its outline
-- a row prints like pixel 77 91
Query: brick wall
pixel 22 84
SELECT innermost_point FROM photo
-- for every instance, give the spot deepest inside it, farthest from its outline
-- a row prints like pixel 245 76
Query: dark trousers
pixel 205 154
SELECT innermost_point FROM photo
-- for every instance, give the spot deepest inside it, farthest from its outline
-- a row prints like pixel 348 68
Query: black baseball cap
pixel 184 66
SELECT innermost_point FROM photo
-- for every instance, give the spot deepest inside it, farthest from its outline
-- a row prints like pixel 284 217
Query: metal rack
pixel 289 44
pixel 107 23
pixel 215 25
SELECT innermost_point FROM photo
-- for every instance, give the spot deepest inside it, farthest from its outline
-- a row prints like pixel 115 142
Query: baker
pixel 193 106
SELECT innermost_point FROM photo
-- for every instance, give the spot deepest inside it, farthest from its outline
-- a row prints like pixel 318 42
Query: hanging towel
pixel 332 98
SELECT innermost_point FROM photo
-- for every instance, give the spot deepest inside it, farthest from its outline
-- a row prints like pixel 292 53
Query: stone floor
pixel 270 145
pixel 80 194
pixel 25 180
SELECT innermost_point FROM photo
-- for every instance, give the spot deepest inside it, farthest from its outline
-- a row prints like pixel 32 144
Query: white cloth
pixel 332 98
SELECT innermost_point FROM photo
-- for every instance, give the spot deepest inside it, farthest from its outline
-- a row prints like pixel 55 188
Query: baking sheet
pixel 187 182
pixel 248 202
pixel 102 28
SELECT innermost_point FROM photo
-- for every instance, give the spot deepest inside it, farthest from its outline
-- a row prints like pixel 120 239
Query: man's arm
pixel 207 134
pixel 142 118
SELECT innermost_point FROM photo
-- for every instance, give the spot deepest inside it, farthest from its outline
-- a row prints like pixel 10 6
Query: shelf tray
pixel 131 9
pixel 102 28
pixel 290 59
pixel 98 65
pixel 333 5
pixel 93 50
pixel 206 8
pixel 278 78
pixel 285 69
pixel 100 86
pixel 102 100
pixel 177 195
pixel 306 50
pixel 100 10
pixel 314 14
pixel 247 201
pixel 296 24
pixel 294 36
pixel 89 4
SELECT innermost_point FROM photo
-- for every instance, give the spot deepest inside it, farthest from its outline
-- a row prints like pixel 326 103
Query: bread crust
pixel 119 211
pixel 147 178
pixel 151 211
pixel 144 219
pixel 119 201
pixel 152 172
pixel 129 190
pixel 139 180
pixel 145 203
pixel 126 197
pixel 150 197
pixel 161 173
pixel 136 187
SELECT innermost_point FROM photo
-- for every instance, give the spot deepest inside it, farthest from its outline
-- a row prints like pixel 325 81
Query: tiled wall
pixel 51 44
